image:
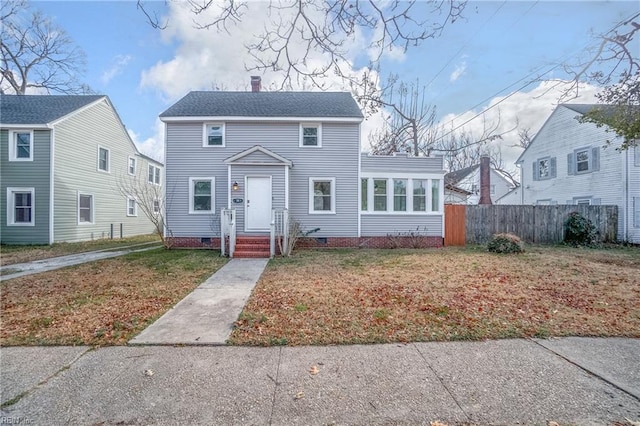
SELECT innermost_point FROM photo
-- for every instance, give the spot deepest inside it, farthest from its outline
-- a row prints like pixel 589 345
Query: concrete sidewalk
pixel 492 382
pixel 206 315
pixel 17 270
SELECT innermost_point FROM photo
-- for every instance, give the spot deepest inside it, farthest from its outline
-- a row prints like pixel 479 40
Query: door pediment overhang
pixel 258 156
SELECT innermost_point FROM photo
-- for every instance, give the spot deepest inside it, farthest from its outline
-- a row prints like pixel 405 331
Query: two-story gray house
pixel 259 153
pixel 62 159
pixel 569 162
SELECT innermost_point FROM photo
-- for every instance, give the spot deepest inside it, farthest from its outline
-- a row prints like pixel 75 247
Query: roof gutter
pixel 187 119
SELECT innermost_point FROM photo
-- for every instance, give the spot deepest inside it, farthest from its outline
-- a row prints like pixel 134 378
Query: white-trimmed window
pixel 583 160
pixel 380 195
pixel 21 145
pixel 85 208
pixel 131 167
pixel 311 135
pixel 20 206
pixel 399 195
pixel 156 206
pixel 322 195
pixel 103 159
pixel 544 168
pixel 153 175
pixel 419 195
pixel 435 195
pixel 582 201
pixel 213 134
pixel 132 207
pixel 201 195
pixel 364 194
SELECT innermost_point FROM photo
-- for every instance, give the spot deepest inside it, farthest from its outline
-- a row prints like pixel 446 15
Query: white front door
pixel 258 204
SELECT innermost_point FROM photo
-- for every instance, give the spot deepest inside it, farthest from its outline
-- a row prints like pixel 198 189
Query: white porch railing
pixel 279 229
pixel 227 230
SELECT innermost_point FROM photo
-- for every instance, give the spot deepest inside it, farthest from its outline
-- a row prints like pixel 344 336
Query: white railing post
pixel 223 227
pixel 232 233
pixel 285 229
pixel 272 234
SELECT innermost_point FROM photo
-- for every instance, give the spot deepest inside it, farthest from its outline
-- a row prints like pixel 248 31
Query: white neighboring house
pixel 569 162
pixel 467 180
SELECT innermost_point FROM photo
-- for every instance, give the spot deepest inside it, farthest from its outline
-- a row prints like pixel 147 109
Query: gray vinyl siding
pixel 76 170
pixel 401 163
pixel 561 135
pixel 633 201
pixel 31 174
pixel 337 158
pixel 381 225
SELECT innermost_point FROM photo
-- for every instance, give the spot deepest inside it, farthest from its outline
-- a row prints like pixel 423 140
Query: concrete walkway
pixel 21 269
pixel 577 381
pixel 206 315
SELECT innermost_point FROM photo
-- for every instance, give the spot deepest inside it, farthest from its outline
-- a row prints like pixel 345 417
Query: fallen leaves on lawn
pixel 314 370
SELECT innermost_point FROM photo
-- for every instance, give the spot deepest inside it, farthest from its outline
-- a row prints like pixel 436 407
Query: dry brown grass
pixel 101 303
pixel 11 254
pixel 367 296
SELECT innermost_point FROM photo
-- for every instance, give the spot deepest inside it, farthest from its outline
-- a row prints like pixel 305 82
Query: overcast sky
pixel 490 57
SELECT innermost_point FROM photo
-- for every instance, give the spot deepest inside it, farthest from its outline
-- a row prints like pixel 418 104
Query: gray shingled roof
pixel 452 178
pixel 40 109
pixel 265 104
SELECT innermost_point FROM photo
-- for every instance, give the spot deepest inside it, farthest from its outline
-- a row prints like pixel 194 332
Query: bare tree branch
pixel 36 54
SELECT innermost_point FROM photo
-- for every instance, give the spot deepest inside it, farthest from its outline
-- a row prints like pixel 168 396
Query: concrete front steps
pixel 252 246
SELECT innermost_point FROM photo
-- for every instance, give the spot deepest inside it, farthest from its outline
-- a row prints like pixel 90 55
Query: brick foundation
pixel 379 242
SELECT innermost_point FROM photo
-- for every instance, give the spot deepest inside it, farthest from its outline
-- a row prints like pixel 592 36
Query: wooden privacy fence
pixel 533 224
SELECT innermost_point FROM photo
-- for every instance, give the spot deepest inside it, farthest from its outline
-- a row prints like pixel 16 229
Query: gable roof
pixel 266 105
pixel 237 159
pixel 41 109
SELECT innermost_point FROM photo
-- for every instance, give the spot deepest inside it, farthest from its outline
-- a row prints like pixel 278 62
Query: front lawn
pixel 371 296
pixel 100 303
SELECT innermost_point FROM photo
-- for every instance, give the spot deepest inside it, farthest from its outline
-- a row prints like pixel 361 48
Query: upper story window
pixel 583 160
pixel 310 135
pixel 213 134
pixel 21 145
pixel 201 195
pixel 544 168
pixel 103 159
pixel 132 166
pixel 322 195
pixel 154 174
pixel 20 206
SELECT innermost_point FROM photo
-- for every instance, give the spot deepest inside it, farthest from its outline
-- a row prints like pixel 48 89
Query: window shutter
pixel 570 164
pixel 596 201
pixel 595 153
pixel 552 166
pixel 536 174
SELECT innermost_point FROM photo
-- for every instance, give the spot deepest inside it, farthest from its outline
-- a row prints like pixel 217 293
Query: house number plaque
pixel 237 200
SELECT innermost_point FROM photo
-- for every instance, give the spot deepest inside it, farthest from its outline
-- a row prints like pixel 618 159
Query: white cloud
pixel 118 64
pixel 525 110
pixel 458 72
pixel 153 146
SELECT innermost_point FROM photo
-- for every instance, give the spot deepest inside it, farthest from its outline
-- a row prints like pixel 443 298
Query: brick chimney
pixel 485 180
pixel 256 83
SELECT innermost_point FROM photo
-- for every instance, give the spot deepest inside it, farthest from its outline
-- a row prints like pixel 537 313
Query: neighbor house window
pixel 21 145
pixel 400 195
pixel 132 207
pixel 154 174
pixel 419 195
pixel 492 190
pixel 583 160
pixel 20 206
pixel 435 195
pixel 103 159
pixel 85 208
pixel 322 197
pixel 544 168
pixel 583 201
pixel 156 206
pixel 380 195
pixel 132 166
pixel 310 135
pixel 213 134
pixel 201 195
pixel 364 194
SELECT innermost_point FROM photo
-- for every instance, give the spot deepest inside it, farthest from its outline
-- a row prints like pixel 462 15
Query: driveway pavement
pixel 493 382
